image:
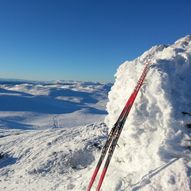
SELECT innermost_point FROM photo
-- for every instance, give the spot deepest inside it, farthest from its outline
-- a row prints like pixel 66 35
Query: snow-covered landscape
pixel 51 133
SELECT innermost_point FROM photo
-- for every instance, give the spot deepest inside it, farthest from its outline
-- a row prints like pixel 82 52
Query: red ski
pixel 115 133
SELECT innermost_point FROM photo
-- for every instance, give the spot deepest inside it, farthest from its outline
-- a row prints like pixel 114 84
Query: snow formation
pixel 154 148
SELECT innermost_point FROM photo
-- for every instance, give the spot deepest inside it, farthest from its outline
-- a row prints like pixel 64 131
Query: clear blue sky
pixel 84 39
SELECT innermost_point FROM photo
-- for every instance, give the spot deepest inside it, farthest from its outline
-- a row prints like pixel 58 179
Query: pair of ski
pixel 115 132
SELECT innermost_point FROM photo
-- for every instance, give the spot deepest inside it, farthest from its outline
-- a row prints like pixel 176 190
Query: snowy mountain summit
pixel 155 146
pixel 51 135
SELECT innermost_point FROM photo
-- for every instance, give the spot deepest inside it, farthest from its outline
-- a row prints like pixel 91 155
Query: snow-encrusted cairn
pixel 156 129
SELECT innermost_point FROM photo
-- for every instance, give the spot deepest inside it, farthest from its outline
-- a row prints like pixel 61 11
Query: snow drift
pixel 154 148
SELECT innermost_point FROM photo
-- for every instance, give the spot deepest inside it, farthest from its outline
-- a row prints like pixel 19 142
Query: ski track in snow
pixel 51 134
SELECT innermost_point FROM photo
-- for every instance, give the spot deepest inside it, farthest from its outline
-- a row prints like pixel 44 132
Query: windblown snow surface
pixel 51 134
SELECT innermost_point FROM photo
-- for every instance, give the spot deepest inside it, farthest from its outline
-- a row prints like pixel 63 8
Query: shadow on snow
pixel 6 160
pixel 23 102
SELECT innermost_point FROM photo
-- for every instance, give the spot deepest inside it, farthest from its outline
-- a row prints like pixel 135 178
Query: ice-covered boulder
pixel 155 133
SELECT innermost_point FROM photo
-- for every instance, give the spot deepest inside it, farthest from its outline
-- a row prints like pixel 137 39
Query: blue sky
pixel 84 39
